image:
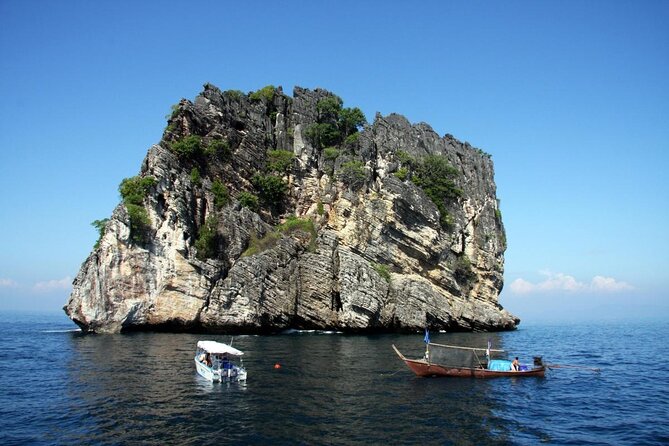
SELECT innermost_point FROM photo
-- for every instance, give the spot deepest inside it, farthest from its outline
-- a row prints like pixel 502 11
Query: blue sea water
pixel 58 386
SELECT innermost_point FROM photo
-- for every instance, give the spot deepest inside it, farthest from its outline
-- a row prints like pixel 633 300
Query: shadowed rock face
pixel 380 258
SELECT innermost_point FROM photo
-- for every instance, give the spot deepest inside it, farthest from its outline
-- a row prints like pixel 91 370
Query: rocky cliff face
pixel 371 248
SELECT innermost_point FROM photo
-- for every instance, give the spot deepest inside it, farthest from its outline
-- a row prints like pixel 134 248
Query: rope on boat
pixel 401 369
pixel 466 348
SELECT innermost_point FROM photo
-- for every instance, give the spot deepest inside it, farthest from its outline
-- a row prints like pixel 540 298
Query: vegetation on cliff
pixel 133 192
pixel 293 226
pixel 334 124
pixel 435 175
pixel 340 224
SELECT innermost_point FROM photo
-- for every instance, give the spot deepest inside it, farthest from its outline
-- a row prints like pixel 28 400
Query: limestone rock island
pixel 259 212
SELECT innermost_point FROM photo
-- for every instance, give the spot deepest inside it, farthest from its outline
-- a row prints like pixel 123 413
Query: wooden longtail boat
pixel 467 362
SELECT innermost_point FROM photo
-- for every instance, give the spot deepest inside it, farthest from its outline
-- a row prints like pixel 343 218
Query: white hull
pixel 233 374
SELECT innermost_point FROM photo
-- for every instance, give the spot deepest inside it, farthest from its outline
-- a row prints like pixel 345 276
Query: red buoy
pixel 277 366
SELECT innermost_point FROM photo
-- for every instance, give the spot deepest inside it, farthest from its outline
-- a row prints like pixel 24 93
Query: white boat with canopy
pixel 219 362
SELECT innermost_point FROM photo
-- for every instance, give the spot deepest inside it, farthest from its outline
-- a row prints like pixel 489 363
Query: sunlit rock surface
pixel 380 258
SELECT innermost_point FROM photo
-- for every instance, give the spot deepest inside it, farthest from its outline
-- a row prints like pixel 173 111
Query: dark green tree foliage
pixel 221 194
pixel 195 177
pixel 207 239
pixel 435 176
pixel 405 159
pixel 352 138
pixel 323 134
pixel 264 94
pixel 329 109
pixel 235 95
pixel 402 173
pixel 353 174
pixel 100 225
pixel 350 120
pixel 331 153
pixel 334 124
pixel 271 188
pixel 248 200
pixel 219 149
pixel 280 161
pixel 133 191
pixel 140 223
pixel 190 147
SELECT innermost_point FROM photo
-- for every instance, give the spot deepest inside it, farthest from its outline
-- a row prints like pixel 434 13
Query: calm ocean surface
pixel 60 387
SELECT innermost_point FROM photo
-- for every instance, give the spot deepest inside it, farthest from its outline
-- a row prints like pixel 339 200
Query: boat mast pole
pixel 427 345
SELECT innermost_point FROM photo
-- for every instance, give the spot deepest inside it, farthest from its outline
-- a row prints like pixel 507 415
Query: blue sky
pixel 571 98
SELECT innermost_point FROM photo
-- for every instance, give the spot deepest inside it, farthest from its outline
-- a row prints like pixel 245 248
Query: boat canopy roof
pixel 218 348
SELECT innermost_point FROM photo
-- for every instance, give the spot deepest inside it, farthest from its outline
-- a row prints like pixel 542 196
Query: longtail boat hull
pixel 424 368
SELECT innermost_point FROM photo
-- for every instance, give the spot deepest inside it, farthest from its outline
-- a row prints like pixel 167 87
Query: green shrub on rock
pixel 334 125
pixel 323 134
pixel 258 245
pixel 402 173
pixel 291 226
pixel 271 188
pixel 350 120
pixel 382 270
pixel 331 153
pixel 280 161
pixel 436 177
pixel 264 94
pixel 100 225
pixel 189 147
pixel 306 225
pixel 133 192
pixel 220 149
pixel 195 177
pixel 207 239
pixel 248 200
pixel 135 189
pixel 140 223
pixel 221 194
pixel 353 174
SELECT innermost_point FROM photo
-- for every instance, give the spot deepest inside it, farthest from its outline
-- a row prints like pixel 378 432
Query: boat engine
pixel 538 361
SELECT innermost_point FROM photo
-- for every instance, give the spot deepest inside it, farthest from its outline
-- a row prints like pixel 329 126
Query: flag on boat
pixel 427 336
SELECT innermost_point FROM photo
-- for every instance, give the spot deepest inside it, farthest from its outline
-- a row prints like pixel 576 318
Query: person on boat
pixel 515 365
pixel 207 360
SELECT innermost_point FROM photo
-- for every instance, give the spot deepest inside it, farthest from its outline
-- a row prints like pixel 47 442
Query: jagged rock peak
pixel 258 212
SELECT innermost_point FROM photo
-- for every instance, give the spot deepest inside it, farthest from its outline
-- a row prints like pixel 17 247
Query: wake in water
pixel 68 330
pixel 295 331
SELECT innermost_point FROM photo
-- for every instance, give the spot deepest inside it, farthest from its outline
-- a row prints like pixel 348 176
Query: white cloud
pixel 565 282
pixel 521 286
pixel 8 283
pixel 52 285
pixel 602 283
